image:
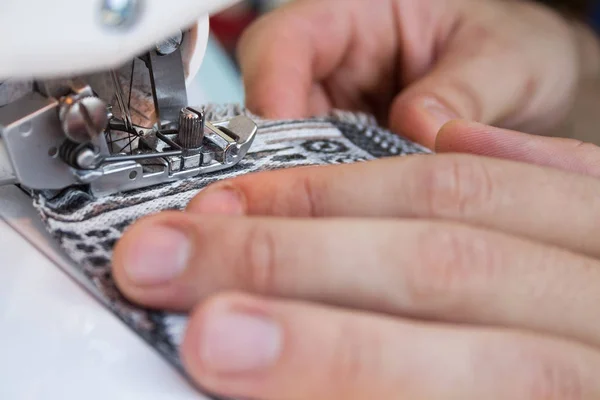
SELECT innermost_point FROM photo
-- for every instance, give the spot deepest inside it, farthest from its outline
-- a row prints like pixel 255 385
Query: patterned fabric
pixel 88 228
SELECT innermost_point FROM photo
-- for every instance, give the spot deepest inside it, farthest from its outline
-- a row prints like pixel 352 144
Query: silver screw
pixel 231 153
pixel 83 119
pixel 170 44
pixel 86 159
pixel 119 13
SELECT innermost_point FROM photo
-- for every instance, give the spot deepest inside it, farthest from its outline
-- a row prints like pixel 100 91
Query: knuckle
pixel 585 146
pixel 452 264
pixel 453 187
pixel 356 355
pixel 461 97
pixel 551 379
pixel 257 269
pixel 545 374
pixel 291 194
pixel 312 192
pixel 536 369
pixel 589 153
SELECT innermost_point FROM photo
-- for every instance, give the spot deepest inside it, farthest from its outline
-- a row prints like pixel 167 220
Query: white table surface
pixel 56 340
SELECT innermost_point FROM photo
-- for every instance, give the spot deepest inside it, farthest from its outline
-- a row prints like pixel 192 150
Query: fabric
pixel 88 228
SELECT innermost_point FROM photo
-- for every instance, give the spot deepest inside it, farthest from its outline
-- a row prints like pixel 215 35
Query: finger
pixel 530 201
pixel 318 102
pixel 567 154
pixel 287 51
pixel 488 75
pixel 256 348
pixel 418 268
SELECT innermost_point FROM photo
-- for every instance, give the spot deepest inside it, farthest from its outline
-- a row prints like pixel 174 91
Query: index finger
pixel 524 200
pixel 286 51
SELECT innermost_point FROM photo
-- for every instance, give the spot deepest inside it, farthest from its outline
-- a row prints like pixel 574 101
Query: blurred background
pixel 218 80
pixel 229 25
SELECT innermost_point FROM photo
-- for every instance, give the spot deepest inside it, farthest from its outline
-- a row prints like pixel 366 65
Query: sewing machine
pixel 70 94
pixel 73 123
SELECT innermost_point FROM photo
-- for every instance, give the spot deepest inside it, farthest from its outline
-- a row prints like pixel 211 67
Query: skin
pixel 469 274
pixel 417 65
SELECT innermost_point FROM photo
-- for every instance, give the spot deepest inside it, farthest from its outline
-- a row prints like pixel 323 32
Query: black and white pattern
pixel 88 228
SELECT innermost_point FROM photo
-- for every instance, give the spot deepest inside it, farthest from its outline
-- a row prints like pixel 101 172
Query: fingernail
pixel 222 201
pixel 440 113
pixel 234 342
pixel 159 255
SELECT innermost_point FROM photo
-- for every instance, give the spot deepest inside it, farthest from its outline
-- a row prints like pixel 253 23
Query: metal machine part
pixel 168 84
pixel 119 13
pixel 191 128
pixel 63 133
pixel 83 118
pixel 169 45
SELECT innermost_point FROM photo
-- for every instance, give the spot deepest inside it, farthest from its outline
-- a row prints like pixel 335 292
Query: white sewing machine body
pixel 58 342
pixel 65 37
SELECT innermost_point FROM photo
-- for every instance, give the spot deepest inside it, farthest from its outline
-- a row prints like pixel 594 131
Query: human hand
pixel 424 277
pixel 417 64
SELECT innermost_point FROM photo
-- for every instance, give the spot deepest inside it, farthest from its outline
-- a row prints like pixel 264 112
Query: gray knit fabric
pixel 87 227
